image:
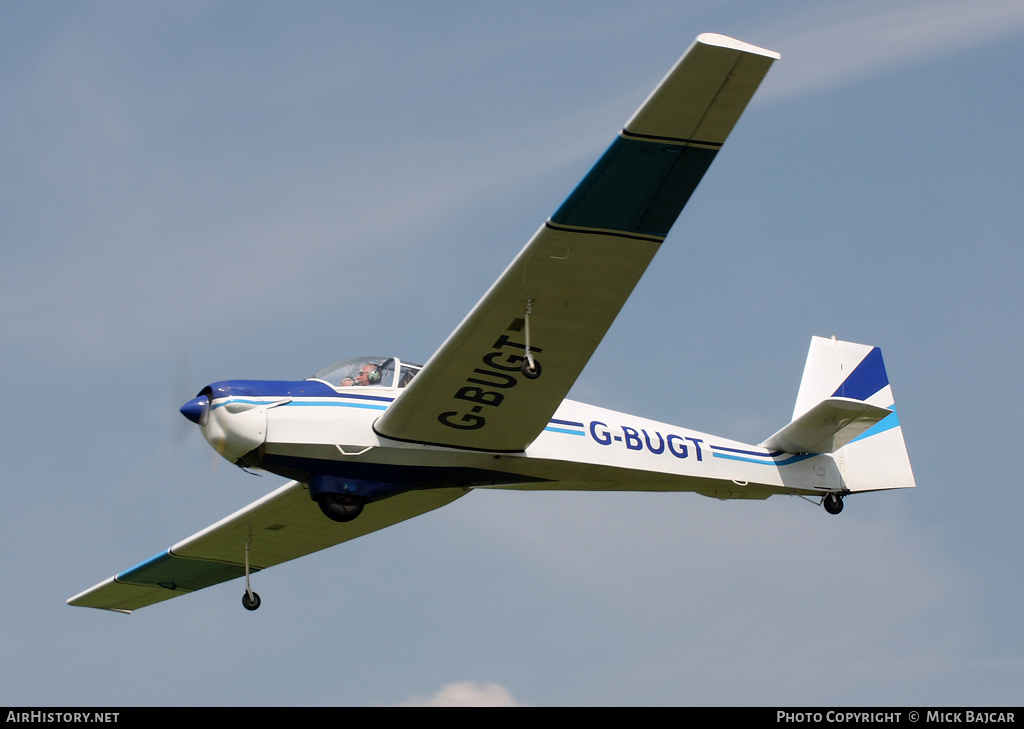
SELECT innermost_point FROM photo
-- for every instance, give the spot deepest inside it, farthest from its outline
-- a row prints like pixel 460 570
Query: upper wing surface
pixel 567 285
pixel 283 525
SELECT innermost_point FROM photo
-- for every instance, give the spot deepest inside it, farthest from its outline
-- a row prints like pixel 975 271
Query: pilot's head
pixel 369 374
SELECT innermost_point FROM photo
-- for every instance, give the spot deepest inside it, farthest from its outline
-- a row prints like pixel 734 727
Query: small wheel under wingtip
pixel 833 503
pixel 250 604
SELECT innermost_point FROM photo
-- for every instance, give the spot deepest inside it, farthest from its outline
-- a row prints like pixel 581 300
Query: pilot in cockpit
pixel 369 374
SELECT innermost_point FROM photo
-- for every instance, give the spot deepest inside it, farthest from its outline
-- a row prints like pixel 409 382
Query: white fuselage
pixel 583 447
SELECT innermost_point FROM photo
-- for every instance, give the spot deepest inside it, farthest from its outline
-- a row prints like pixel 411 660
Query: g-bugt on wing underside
pixel 562 292
pixel 281 526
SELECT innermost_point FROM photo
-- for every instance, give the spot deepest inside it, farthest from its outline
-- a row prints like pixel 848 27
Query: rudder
pixel 877 458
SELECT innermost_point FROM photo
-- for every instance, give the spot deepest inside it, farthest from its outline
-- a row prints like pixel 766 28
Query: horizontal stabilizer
pixel 827 426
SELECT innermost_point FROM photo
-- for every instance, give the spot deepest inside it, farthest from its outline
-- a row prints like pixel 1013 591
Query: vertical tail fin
pixel 877 459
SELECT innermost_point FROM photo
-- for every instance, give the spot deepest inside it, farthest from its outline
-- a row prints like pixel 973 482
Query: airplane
pixel 369 442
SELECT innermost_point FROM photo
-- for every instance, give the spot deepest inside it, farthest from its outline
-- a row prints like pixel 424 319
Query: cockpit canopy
pixel 368 372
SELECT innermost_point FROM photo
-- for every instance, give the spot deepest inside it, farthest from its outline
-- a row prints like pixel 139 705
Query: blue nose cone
pixel 196 408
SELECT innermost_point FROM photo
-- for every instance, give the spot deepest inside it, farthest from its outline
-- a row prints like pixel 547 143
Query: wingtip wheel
pixel 250 600
pixel 833 503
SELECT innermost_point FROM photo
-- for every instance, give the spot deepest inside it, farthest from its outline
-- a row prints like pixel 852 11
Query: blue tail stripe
pixel 887 423
pixel 866 379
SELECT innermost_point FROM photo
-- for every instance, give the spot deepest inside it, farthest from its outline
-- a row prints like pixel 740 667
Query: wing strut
pixel 250 600
pixel 530 367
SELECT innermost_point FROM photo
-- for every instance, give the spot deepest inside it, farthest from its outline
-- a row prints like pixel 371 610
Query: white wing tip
pixel 724 41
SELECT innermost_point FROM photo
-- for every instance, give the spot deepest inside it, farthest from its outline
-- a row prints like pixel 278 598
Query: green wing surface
pixel 567 285
pixel 283 525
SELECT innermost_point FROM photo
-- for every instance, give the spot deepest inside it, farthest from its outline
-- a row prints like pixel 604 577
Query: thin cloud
pixel 836 48
pixel 466 693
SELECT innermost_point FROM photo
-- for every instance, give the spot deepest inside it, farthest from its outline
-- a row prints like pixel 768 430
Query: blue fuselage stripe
pixel 564 430
pixel 364 406
pixel 766 460
pixel 233 400
pixel 747 453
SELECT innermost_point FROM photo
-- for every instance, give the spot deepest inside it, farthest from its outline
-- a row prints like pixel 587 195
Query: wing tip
pixel 724 41
pixel 80 600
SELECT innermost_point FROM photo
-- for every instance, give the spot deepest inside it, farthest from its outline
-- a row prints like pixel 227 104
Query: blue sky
pixel 195 191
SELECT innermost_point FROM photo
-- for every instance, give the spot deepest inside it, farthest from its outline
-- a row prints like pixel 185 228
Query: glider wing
pixel 562 292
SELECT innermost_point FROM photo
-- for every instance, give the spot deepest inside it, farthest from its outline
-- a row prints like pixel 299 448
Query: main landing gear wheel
pixel 532 373
pixel 833 503
pixel 341 507
pixel 250 604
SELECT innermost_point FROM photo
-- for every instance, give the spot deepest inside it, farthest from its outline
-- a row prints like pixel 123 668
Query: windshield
pixel 368 372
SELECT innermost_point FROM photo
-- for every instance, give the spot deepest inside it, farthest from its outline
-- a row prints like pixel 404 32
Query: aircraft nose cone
pixel 196 408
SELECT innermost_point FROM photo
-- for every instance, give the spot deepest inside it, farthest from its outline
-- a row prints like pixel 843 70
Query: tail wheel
pixel 341 507
pixel 833 503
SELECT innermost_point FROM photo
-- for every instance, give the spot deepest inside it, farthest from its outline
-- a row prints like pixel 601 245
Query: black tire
pixel 250 604
pixel 833 503
pixel 341 507
pixel 532 373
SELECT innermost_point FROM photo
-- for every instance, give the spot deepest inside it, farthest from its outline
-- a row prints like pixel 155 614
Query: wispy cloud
pixel 465 693
pixel 835 45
